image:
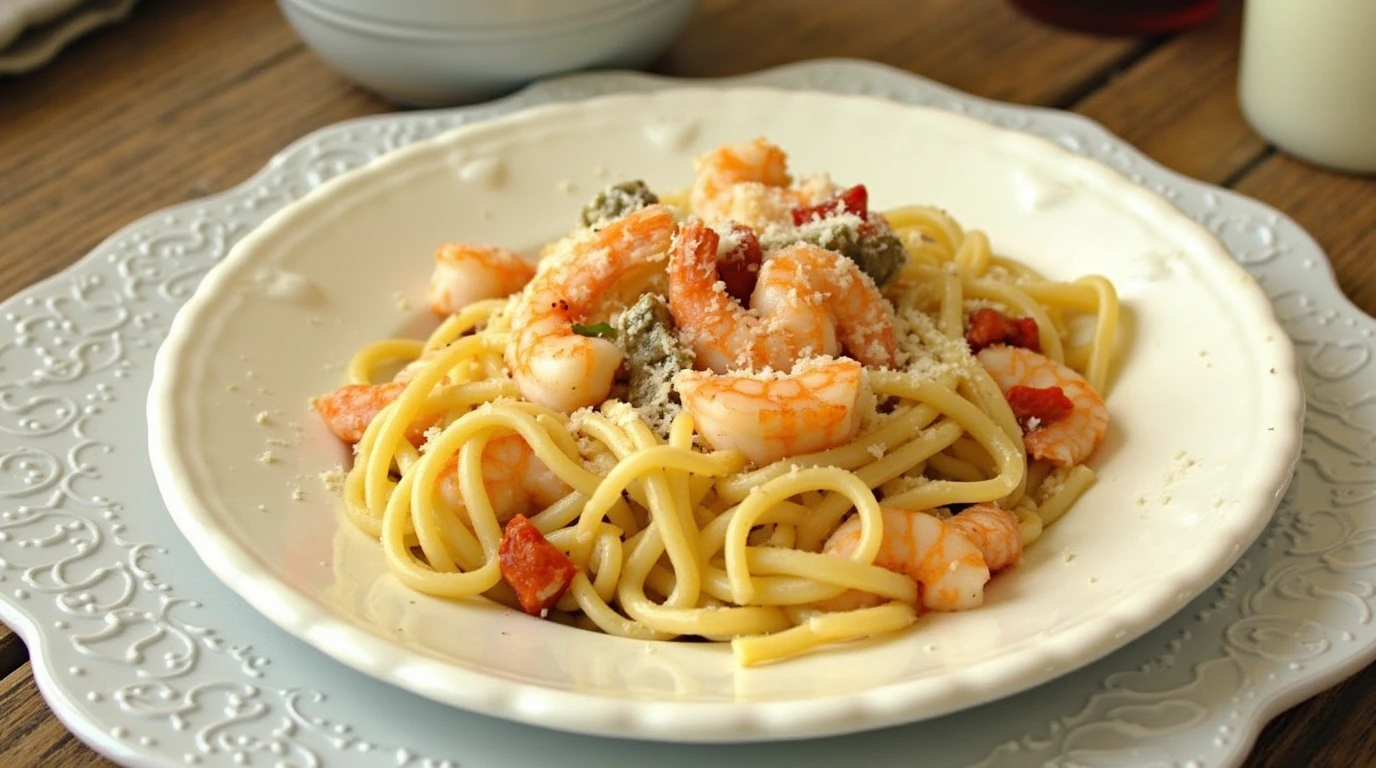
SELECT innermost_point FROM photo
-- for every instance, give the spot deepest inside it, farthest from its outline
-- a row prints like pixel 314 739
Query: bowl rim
pixel 621 11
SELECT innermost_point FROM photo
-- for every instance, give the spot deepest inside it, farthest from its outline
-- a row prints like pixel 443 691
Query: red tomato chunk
pixel 855 200
pixel 739 268
pixel 990 326
pixel 1045 404
pixel 535 569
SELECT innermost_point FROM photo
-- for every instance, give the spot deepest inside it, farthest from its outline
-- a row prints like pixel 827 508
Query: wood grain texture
pixel 12 651
pixel 31 736
pixel 985 48
pixel 1178 104
pixel 1331 730
pixel 79 168
pixel 221 42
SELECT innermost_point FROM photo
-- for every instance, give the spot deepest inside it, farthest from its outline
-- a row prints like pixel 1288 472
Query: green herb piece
pixel 600 330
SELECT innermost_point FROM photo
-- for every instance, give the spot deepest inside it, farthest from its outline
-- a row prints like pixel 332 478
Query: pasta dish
pixel 752 411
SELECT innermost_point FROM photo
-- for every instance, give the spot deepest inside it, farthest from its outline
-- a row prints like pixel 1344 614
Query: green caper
pixel 879 254
pixel 874 248
pixel 653 353
pixel 616 201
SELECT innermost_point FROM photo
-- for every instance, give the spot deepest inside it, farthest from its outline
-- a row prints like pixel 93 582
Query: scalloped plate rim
pixel 759 720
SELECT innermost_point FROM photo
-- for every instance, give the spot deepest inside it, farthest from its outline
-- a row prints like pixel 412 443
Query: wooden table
pixel 185 99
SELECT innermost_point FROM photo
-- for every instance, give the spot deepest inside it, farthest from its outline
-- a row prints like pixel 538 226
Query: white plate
pixel 1206 409
pixel 24 49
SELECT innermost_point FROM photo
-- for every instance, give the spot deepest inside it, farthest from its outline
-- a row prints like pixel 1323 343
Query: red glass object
pixel 1122 17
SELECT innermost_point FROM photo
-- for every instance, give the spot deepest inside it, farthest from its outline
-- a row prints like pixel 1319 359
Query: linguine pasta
pixel 670 537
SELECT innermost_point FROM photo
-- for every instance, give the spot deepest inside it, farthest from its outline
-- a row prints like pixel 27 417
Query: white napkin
pixel 18 15
pixel 32 32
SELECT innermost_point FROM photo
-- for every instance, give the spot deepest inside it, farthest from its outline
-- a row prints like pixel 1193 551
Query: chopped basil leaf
pixel 600 330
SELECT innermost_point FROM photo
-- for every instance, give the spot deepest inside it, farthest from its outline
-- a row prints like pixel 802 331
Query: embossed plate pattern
pixel 149 659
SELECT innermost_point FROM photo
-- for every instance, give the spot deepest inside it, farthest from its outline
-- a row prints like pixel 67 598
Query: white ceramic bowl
pixel 1205 406
pixel 475 15
pixel 427 53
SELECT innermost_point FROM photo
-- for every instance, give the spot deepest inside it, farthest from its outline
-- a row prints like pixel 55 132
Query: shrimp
pixel 770 417
pixel 750 184
pixel 516 481
pixel 349 409
pixel 1067 440
pixel 994 531
pixel 468 273
pixel 807 301
pixel 951 561
pixel 553 364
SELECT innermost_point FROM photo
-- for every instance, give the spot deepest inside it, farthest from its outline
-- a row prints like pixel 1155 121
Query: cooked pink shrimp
pixel 808 301
pixel 467 273
pixel 948 567
pixel 741 176
pixel 516 481
pixel 768 417
pixel 349 409
pixel 552 364
pixel 994 531
pixel 1069 439
pixel 750 184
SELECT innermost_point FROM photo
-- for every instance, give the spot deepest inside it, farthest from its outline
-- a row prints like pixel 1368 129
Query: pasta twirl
pixel 761 415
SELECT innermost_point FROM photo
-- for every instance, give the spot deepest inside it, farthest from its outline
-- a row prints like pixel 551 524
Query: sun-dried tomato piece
pixel 990 326
pixel 855 200
pixel 739 268
pixel 535 569
pixel 1045 405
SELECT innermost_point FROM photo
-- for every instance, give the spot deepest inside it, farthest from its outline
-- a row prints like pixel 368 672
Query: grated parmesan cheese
pixel 431 434
pixel 333 479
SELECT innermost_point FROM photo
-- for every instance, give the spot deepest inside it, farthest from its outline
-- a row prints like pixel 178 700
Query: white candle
pixel 1307 79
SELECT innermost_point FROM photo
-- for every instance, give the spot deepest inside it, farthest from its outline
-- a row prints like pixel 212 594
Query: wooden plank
pixel 70 111
pixel 1179 103
pixel 1333 728
pixel 985 47
pixel 12 651
pixel 197 140
pixel 30 735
